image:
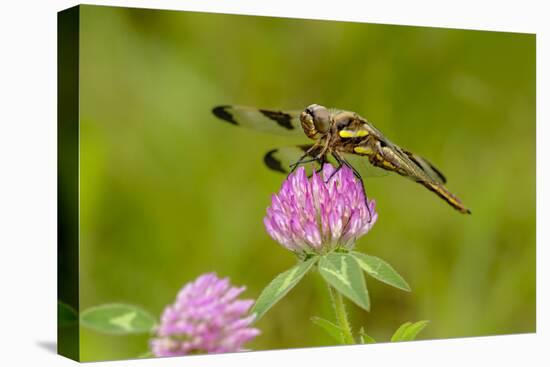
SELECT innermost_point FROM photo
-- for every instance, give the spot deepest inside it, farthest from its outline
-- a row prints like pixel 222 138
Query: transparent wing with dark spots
pixel 427 170
pixel 427 167
pixel 281 159
pixel 286 123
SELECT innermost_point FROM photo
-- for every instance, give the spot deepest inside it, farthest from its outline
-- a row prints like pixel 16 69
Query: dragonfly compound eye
pixel 321 117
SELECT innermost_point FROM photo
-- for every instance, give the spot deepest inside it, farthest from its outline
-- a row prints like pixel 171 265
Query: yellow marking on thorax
pixel 363 150
pixel 353 133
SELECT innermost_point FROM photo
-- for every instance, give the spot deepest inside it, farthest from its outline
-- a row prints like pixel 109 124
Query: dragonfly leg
pixel 319 158
pixel 334 172
pixel 323 151
pixel 342 162
pixel 321 162
pixel 302 159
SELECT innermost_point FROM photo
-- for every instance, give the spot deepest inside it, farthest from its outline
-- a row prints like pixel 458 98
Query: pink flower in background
pixel 320 214
pixel 206 317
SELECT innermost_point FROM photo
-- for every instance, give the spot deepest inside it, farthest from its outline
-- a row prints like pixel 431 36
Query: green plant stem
pixel 341 315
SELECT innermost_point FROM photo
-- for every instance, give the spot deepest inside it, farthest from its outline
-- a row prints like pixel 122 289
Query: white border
pixel 28 180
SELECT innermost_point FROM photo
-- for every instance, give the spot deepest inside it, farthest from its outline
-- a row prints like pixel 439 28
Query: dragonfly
pixel 339 136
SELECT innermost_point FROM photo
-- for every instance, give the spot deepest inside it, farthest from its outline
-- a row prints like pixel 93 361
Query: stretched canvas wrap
pixel 233 183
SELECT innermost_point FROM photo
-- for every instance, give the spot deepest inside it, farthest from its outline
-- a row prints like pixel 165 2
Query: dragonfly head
pixel 315 121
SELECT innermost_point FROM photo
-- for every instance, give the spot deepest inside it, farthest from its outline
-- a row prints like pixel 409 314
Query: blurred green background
pixel 168 192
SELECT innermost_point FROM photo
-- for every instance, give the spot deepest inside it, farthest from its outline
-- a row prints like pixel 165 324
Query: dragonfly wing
pixel 285 123
pixel 280 159
pixel 427 167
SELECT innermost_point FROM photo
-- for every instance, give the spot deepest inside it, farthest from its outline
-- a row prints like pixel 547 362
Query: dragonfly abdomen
pixel 446 195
